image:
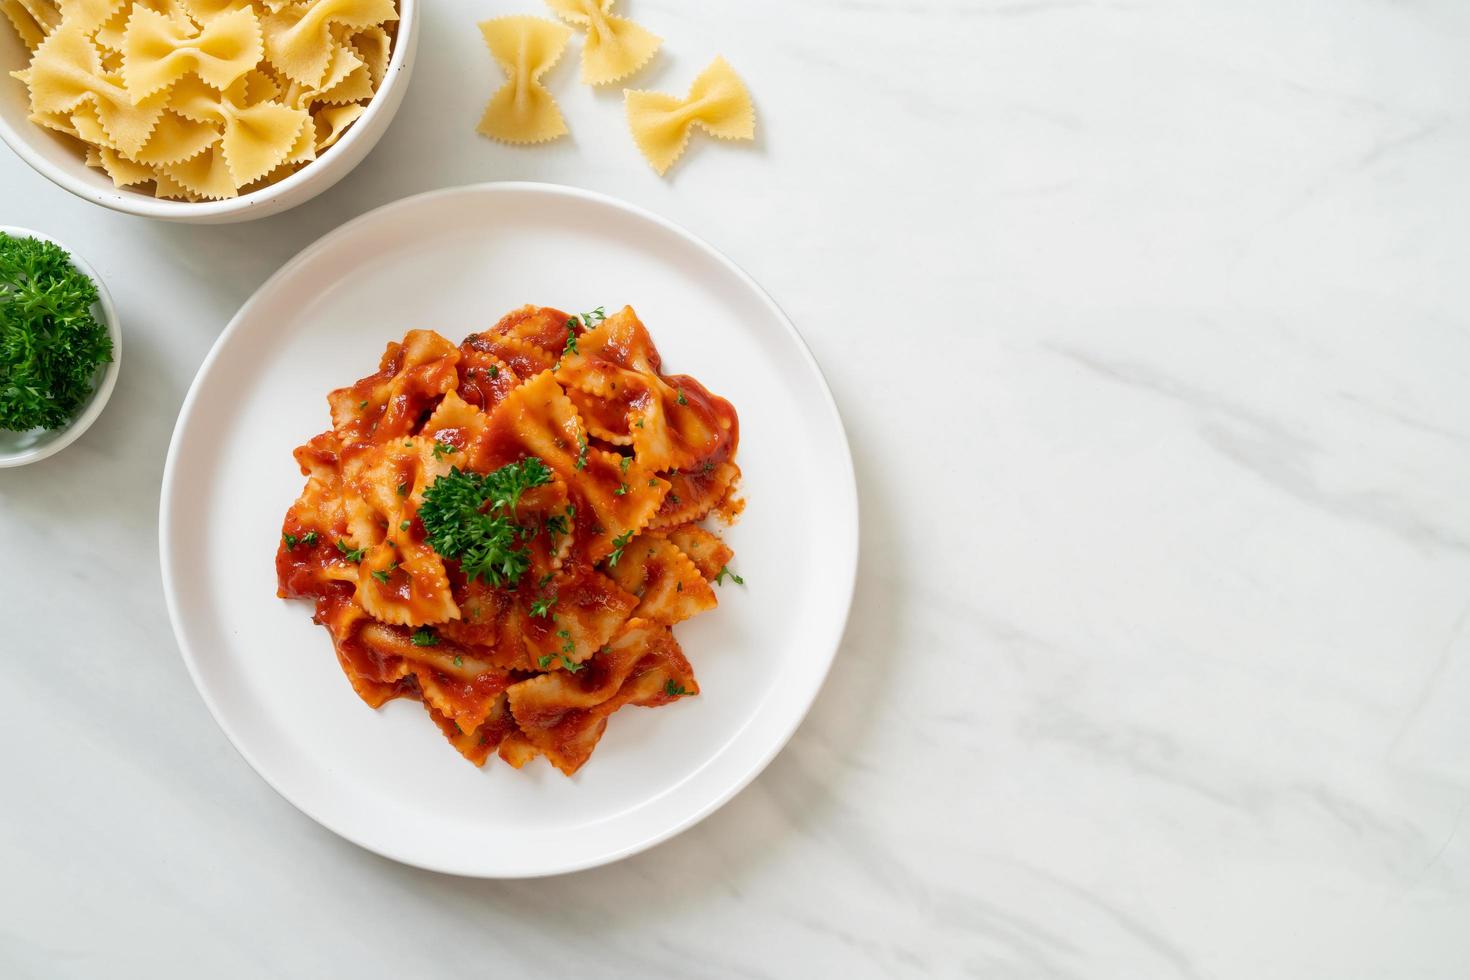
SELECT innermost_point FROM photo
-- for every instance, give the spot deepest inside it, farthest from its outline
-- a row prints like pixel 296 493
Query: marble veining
pixel 1149 325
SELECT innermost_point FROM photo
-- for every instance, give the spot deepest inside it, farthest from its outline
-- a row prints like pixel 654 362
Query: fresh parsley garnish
pixel 622 489
pixel 424 637
pixel 571 347
pixel 380 574
pixel 681 399
pixel 309 539
pixel 402 489
pixel 653 481
pixel 674 690
pixel 506 484
pixel 459 661
pixel 571 666
pixel 442 449
pixel 627 461
pixel 362 404
pixel 542 607
pixel 50 344
pixel 581 451
pixel 726 573
pixel 353 555
pixel 290 540
pixel 404 525
pixel 471 519
pixel 619 543
pixel 545 661
pixel 494 370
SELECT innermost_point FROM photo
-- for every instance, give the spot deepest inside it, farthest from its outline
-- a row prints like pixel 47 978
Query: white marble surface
pixel 1150 324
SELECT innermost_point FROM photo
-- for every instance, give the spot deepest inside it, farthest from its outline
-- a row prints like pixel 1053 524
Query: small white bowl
pixel 20 448
pixel 58 158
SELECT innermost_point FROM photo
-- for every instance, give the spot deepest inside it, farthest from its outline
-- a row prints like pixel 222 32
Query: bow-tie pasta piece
pixel 332 121
pixel 165 188
pixel 522 110
pixel 374 47
pixel 615 47
pixel 112 32
pixel 66 71
pixel 86 15
pixel 298 39
pixel 201 11
pixel 157 52
pixel 718 103
pixel 255 138
pixel 124 172
pixel 349 79
pixel 176 139
pixel 28 27
pixel 205 176
pixel 46 13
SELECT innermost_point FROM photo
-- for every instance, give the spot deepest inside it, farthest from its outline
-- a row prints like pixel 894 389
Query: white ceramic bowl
pixel 57 158
pixel 20 448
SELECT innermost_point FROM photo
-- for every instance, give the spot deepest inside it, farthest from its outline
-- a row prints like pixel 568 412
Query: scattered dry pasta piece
pixel 522 110
pixel 717 102
pixel 615 47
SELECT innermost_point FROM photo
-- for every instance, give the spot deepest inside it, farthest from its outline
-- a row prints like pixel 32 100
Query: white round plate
pixel 455 261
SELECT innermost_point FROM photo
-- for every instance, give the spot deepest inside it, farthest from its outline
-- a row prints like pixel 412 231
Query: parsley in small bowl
pixel 59 346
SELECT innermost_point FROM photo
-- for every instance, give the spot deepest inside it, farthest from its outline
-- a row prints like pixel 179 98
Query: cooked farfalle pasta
pixel 506 530
pixel 522 110
pixel 615 47
pixel 717 102
pixel 202 99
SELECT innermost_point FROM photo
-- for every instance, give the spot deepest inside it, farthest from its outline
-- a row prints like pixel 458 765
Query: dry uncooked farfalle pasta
pixel 615 47
pixel 299 37
pixel 158 50
pixel 202 99
pixel 522 110
pixel 717 102
pixel 30 27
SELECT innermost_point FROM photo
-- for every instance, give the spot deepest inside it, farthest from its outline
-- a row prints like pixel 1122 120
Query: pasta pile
pixel 204 99
pixel 507 530
pixel 523 111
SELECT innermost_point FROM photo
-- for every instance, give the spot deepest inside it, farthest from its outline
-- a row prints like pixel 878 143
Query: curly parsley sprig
pixel 471 518
pixel 50 344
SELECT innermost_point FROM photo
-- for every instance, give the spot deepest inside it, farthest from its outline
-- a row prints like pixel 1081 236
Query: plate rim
pixel 847 498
